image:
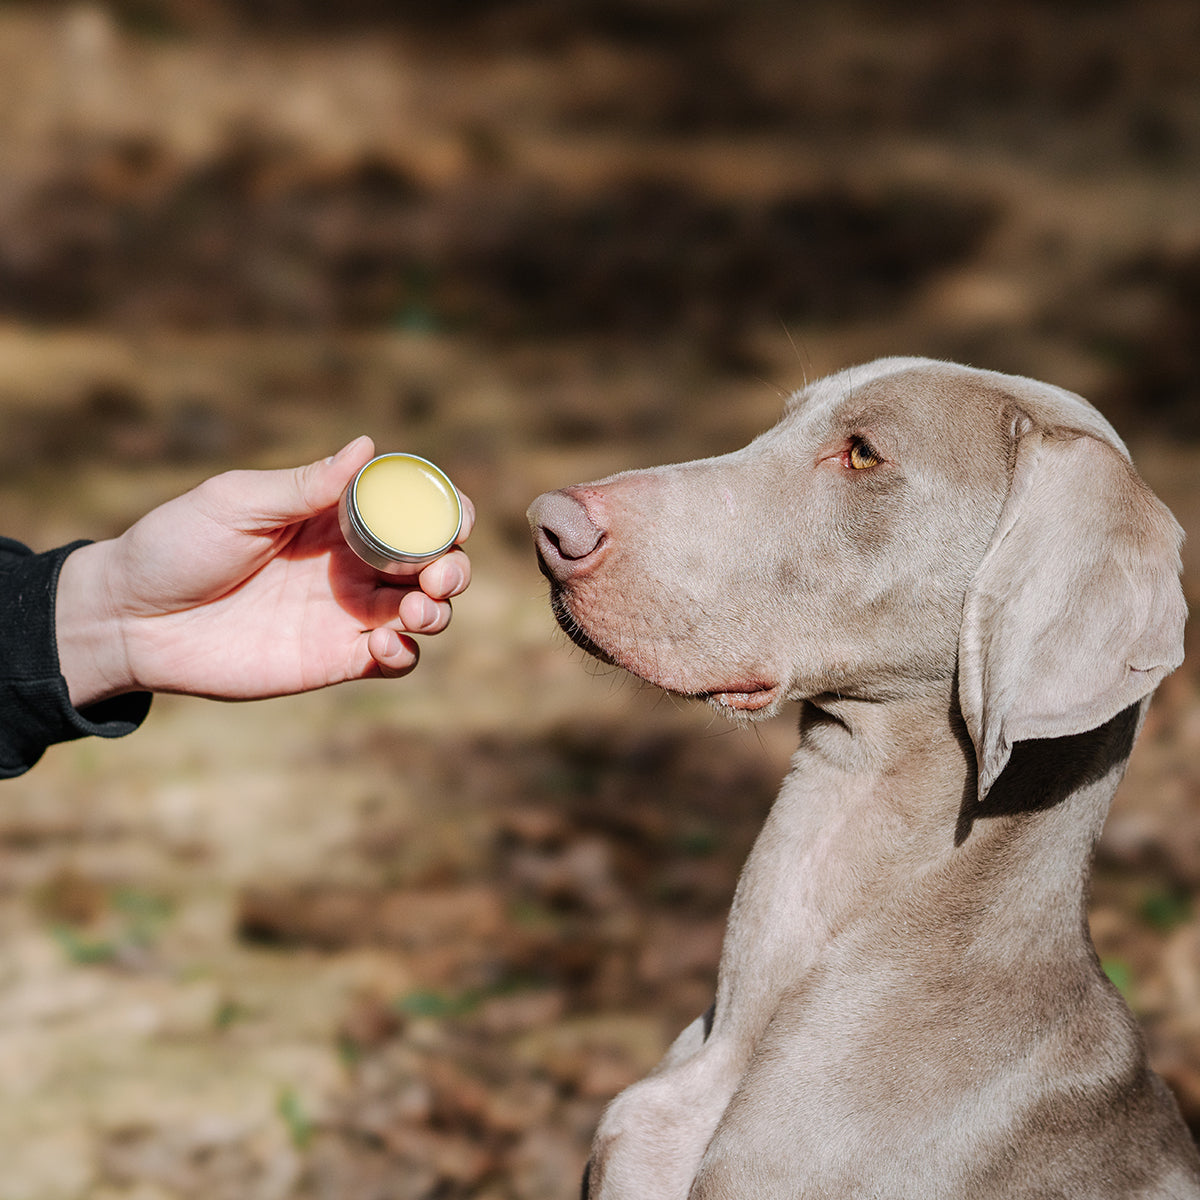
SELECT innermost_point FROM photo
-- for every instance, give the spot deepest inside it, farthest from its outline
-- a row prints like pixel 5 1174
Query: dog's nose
pixel 565 533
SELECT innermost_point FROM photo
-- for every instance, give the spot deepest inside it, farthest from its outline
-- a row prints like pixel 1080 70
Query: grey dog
pixel 972 594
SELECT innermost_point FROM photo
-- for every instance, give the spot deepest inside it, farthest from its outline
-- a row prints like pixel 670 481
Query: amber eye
pixel 860 455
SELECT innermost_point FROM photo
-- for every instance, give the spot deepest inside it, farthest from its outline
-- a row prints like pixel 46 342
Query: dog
pixel 971 594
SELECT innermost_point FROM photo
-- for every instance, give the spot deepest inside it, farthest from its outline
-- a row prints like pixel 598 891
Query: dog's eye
pixel 860 456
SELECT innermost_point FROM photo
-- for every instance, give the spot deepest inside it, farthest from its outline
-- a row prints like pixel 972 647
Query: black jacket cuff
pixel 35 707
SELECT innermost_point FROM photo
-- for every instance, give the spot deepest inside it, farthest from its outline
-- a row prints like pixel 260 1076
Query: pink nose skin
pixel 565 534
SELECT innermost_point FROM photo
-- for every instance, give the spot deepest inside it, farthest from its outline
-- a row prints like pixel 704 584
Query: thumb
pixel 271 499
pixel 323 482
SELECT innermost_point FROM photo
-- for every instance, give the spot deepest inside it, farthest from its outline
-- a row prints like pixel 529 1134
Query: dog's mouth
pixel 571 627
pixel 743 697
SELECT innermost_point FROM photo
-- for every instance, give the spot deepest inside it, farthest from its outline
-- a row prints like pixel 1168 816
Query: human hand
pixel 244 588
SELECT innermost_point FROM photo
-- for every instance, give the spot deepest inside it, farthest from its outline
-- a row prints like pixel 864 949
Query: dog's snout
pixel 565 533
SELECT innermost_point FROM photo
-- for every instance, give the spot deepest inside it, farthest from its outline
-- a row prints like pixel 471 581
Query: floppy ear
pixel 1076 611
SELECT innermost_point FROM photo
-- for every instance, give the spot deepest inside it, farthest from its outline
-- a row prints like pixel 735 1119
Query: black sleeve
pixel 35 709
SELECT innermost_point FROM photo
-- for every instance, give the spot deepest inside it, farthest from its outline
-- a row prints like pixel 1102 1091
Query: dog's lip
pixel 745 696
pixel 739 695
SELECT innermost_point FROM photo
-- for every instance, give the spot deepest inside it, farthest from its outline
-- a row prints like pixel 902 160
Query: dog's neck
pixel 878 824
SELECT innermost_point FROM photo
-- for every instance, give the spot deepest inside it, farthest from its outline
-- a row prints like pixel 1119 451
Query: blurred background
pixel 404 941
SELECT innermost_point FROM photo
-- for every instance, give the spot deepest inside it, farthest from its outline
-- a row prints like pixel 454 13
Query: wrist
pixel 91 637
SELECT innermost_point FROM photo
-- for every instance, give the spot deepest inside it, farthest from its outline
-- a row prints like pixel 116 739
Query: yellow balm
pixel 400 509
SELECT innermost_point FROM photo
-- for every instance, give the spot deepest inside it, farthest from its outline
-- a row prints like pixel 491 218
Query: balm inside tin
pixel 400 509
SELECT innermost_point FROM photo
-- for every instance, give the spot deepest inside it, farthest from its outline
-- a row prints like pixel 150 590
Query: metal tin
pixel 373 549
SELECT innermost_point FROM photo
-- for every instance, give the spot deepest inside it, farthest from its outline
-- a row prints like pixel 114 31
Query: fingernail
pixel 345 449
pixel 453 578
pixel 430 613
pixel 391 644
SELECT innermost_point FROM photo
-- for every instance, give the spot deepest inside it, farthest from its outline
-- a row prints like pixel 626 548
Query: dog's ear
pixel 1076 611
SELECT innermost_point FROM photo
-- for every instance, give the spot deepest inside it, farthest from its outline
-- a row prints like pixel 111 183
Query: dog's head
pixel 905 522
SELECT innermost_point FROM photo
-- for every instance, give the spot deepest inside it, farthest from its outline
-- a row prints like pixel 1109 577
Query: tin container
pixel 400 509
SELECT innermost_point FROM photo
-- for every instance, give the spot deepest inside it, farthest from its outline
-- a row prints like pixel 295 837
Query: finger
pixel 468 520
pixel 261 500
pixel 395 654
pixel 446 576
pixel 320 484
pixel 380 604
pixel 420 613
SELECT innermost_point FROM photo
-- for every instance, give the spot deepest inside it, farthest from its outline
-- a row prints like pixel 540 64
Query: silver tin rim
pixel 372 549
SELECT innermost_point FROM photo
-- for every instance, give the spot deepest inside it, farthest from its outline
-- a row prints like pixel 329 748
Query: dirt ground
pixel 405 940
